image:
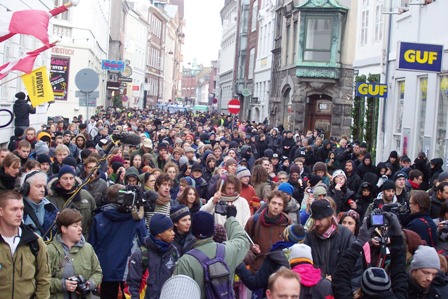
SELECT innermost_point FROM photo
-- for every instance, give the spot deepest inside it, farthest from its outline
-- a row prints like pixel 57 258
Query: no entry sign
pixel 234 106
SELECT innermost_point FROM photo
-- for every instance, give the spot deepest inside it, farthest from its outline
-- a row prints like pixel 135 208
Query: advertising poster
pixel 59 70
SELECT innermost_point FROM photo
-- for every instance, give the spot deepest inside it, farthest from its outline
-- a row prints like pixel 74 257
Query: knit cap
pixel 319 166
pixel 41 148
pixel 69 160
pixel 20 95
pixel 182 161
pixel 202 225
pixel 300 253
pixel 43 159
pixel 179 212
pixel 294 233
pixel 117 159
pixel 241 172
pixel 268 153
pixel 159 223
pixel 319 190
pixel 294 169
pixel 339 172
pixel 412 240
pixel 374 281
pixel 425 257
pixel 443 176
pixel 115 166
pixel 321 209
pixel 314 179
pixel 387 185
pixel 66 169
pixel 286 187
pixel 230 161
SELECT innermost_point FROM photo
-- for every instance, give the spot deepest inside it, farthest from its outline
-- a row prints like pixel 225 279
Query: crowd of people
pixel 135 204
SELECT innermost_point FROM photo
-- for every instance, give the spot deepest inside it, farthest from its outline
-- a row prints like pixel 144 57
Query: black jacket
pixel 341 281
pixel 22 113
pixel 437 289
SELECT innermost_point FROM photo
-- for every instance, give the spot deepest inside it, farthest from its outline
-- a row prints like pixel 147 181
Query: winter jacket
pixel 236 249
pixel 50 212
pixel 265 236
pixel 311 282
pixel 112 236
pixel 263 190
pixel 341 281
pixel 435 291
pixel 83 202
pixel 97 188
pixel 341 198
pixel 160 267
pixel 183 243
pixel 22 113
pixel 242 208
pixel 436 204
pixel 23 274
pixel 436 170
pixel 84 261
pixel 292 209
pixel 327 252
pixel 424 226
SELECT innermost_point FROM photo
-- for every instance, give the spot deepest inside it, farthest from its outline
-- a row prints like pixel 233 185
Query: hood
pixel 131 171
pixel 292 206
pixel 437 162
pixel 326 142
pixel 353 165
pixel 278 257
pixel 111 211
pixel 309 276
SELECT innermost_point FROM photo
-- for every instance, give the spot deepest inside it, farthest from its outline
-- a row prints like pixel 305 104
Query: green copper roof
pixel 331 4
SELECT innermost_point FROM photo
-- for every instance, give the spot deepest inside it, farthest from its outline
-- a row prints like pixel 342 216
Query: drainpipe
pixel 386 75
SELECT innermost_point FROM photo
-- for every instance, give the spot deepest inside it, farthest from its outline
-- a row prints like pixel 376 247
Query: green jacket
pixel 86 205
pixel 84 261
pixel 23 274
pixel 236 249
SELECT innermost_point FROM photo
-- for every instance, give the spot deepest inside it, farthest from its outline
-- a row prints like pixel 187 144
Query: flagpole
pixel 10 80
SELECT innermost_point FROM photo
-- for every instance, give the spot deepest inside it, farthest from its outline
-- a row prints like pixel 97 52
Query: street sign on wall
pixel 234 106
pixel 420 57
pixel 112 65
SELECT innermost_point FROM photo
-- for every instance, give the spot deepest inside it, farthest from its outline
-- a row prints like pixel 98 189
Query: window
pixel 423 92
pixel 318 39
pixel 65 15
pixel 250 74
pixel 288 35
pixel 400 90
pixel 442 119
pixel 379 21
pixel 364 25
pixel 294 40
pixel 253 24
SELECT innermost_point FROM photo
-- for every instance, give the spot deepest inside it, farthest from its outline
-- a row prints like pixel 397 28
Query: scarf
pixel 8 181
pixel 267 221
pixel 162 201
pixel 65 194
pixel 161 245
pixel 230 198
pixel 414 185
pixel 331 230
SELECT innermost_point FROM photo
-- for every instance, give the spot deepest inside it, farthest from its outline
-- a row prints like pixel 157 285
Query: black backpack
pixel 217 280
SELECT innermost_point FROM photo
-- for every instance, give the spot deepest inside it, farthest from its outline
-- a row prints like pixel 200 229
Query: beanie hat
pixel 230 161
pixel 44 136
pixel 20 95
pixel 300 253
pixel 241 172
pixel 412 240
pixel 44 159
pixel 69 160
pixel 339 172
pixel 393 154
pixel 399 174
pixel 180 287
pixel 117 159
pixel 196 167
pixel 220 234
pixel 85 153
pixel 182 161
pixel 116 165
pixel 66 169
pixel 319 190
pixel 189 150
pixel 443 176
pixel 41 148
pixel 202 225
pixel 268 153
pixel 425 257
pixel 209 158
pixel 233 144
pixel 294 233
pixel 286 187
pixel 294 169
pixel 321 209
pixel 178 150
pixel 374 281
pixel 179 212
pixel 159 223
pixel 314 179
pixel 387 185
pixel 319 166
pixel 90 144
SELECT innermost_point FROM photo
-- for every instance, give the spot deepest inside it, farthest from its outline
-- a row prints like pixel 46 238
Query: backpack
pixel 217 280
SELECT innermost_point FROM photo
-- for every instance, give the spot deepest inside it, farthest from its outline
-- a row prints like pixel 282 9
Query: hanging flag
pixel 24 64
pixel 29 22
pixel 38 86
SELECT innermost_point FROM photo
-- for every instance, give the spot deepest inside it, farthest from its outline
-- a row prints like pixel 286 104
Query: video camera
pixel 133 199
pixel 401 211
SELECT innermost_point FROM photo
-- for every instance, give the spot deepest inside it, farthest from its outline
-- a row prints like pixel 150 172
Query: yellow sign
pixel 421 57
pixel 371 90
pixel 38 86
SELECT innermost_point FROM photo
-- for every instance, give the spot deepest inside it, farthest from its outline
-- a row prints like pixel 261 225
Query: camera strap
pixel 429 230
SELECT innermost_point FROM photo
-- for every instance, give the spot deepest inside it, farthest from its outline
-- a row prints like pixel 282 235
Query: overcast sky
pixel 202 30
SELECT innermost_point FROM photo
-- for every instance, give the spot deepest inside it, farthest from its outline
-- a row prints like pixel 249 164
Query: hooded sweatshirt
pixel 312 283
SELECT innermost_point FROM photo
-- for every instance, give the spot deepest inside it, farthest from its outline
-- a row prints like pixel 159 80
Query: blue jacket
pixel 50 213
pixel 112 236
pixel 424 226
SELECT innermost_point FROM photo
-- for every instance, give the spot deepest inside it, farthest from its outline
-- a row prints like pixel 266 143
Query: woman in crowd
pixel 9 172
pixel 183 239
pixel 350 220
pixel 190 198
pixel 260 182
pixel 136 161
pixel 74 266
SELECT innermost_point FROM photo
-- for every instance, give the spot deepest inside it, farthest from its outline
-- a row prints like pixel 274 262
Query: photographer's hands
pixel 394 224
pixel 364 233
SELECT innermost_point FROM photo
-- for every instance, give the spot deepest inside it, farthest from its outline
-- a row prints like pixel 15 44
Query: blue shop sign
pixel 420 57
pixel 112 65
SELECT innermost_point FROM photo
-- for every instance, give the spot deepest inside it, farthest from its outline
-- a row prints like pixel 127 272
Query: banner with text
pixel 38 86
pixel 420 57
pixel 373 90
pixel 59 70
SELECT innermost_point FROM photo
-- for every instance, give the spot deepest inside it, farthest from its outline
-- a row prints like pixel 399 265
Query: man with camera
pixel 385 197
pixel 112 235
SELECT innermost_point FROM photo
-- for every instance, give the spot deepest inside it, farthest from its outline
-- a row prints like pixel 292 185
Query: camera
pixel 401 211
pixel 133 197
pixel 81 287
pixel 377 218
pixel 221 208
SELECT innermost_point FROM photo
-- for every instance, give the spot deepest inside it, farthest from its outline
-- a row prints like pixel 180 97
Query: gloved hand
pixel 231 211
pixel 394 224
pixel 365 233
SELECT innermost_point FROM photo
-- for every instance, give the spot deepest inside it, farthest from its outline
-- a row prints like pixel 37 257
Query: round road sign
pixel 87 80
pixel 234 106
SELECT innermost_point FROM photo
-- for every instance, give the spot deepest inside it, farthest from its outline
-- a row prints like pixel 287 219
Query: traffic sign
pixel 234 106
pixel 245 92
pixel 87 80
